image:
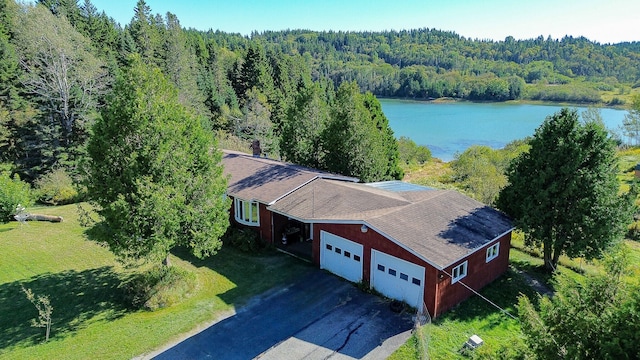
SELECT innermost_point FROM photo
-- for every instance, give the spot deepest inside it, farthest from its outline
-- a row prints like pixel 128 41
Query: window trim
pixel 459 272
pixel 492 252
pixel 240 208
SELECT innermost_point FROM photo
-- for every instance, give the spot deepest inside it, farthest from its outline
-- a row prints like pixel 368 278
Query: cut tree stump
pixel 40 217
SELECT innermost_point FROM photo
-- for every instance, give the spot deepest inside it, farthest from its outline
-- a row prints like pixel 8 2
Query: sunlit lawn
pixel 82 281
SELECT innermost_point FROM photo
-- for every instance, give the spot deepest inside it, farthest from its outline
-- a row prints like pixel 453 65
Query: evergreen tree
pixel 356 141
pixel 300 141
pixel 145 31
pixel 563 193
pixel 154 171
pixel 181 66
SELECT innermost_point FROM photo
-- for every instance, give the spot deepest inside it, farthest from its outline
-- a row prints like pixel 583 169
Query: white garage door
pixel 341 256
pixel 397 279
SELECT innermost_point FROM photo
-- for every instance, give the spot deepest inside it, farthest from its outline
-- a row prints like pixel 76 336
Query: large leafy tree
pixel 564 193
pixel 631 122
pixel 65 79
pixel 154 171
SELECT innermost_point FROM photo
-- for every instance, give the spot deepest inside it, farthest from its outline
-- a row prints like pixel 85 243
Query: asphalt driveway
pixel 319 317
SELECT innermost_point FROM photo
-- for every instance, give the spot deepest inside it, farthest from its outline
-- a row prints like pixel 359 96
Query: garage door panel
pixel 397 278
pixel 341 256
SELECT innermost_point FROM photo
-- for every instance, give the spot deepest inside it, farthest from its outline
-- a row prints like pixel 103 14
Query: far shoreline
pixel 449 100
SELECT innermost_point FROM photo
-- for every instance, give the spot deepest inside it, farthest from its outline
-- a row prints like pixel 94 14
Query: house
pixel 424 246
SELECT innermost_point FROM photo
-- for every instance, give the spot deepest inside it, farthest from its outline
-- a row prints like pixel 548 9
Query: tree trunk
pixel 547 250
pixel 40 217
pixel 166 261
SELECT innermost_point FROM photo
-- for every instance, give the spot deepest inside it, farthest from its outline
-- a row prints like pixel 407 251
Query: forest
pixel 59 60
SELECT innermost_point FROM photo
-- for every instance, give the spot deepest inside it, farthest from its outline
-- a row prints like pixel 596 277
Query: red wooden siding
pixel 479 274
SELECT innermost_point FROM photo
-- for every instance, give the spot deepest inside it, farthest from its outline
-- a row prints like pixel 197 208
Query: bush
pixel 160 287
pixel 246 240
pixel 13 192
pixel 616 101
pixel 56 188
pixel 410 152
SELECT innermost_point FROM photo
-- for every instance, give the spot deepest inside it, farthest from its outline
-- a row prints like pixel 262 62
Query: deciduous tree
pixel 155 172
pixel 65 79
pixel 564 192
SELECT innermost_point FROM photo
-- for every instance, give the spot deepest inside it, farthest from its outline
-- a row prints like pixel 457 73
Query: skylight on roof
pixel 398 186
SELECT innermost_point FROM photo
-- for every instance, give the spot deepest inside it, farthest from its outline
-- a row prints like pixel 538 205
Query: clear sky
pixel 604 21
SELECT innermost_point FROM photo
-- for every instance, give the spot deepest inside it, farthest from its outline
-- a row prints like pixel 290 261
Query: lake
pixel 447 128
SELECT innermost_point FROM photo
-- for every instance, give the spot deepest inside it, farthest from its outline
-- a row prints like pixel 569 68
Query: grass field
pixel 82 281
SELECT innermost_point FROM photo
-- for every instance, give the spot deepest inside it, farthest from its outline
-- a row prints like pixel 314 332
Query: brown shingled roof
pixel 441 226
pixel 266 180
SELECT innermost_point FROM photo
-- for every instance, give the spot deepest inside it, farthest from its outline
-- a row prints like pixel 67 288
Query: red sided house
pixel 409 242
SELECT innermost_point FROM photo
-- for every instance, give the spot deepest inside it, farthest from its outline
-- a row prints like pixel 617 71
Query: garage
pixel 341 256
pixel 397 278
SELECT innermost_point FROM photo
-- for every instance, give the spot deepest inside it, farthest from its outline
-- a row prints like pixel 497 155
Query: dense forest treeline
pixel 59 59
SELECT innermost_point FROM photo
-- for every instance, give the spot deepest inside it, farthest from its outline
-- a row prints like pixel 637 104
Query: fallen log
pixel 41 217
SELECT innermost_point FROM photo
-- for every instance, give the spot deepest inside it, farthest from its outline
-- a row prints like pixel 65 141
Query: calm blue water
pixel 447 128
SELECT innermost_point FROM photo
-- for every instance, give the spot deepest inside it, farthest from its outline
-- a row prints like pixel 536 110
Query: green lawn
pixel 501 333
pixel 82 281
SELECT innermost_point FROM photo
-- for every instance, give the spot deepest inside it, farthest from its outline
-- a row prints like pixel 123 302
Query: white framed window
pixel 459 272
pixel 493 251
pixel 247 212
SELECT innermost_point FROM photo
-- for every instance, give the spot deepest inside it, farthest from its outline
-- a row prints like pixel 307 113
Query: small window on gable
pixel 392 272
pixel 247 212
pixel 493 251
pixel 380 267
pixel 459 272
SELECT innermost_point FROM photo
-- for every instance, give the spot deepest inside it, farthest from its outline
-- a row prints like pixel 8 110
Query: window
pixel 356 258
pixel 329 247
pixel 380 267
pixel 493 251
pixel 392 272
pixel 338 250
pixel 459 272
pixel 347 254
pixel 415 281
pixel 404 277
pixel 247 212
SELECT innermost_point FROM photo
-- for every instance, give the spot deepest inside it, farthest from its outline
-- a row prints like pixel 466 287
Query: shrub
pixel 410 152
pixel 160 287
pixel 616 101
pixel 246 240
pixel 56 188
pixel 13 192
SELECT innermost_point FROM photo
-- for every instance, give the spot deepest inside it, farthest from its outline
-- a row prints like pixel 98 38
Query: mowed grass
pixel 82 280
pixel 446 335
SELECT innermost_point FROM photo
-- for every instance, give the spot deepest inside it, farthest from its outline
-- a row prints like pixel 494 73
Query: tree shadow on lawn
pixel 76 297
pixel 252 273
pixel 504 292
